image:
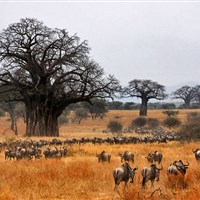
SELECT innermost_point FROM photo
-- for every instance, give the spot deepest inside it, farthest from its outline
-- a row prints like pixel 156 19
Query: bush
pixel 115 126
pixel 190 130
pixel 171 122
pixel 193 116
pixel 170 113
pixel 152 122
pixel 139 122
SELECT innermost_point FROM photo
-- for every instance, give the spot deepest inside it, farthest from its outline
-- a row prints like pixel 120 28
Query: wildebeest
pixel 103 157
pixel 51 153
pixel 123 173
pixel 177 167
pixel 127 156
pixel 197 154
pixel 9 154
pixel 155 157
pixel 150 174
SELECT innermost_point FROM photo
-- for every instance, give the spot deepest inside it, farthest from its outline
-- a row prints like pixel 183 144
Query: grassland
pixel 80 176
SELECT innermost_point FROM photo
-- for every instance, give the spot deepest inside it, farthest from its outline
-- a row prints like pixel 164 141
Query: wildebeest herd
pixel 124 173
pixel 56 148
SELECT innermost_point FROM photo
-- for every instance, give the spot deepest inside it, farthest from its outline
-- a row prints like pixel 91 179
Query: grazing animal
pixel 177 167
pixel 103 157
pixel 127 156
pixel 9 154
pixel 123 173
pixel 197 154
pixel 150 174
pixel 155 157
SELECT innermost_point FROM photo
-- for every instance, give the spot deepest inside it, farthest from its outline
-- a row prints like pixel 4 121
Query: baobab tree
pixel 48 70
pixel 197 93
pixel 145 90
pixel 186 93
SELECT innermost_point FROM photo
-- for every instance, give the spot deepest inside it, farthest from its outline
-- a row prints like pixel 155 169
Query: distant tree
pixel 49 70
pixel 115 105
pixel 97 108
pixel 186 93
pixel 63 119
pixel 197 93
pixel 80 114
pixel 145 90
pixel 154 106
pixel 168 106
pixel 130 106
pixel 195 105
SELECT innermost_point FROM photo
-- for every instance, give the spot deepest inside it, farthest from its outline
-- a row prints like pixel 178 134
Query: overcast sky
pixel 133 40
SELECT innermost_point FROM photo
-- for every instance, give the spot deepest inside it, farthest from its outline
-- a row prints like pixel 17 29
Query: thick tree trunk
pixel 41 121
pixel 187 104
pixel 13 119
pixel 143 107
pixel 13 125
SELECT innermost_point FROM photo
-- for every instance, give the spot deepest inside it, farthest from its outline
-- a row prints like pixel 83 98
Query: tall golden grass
pixel 80 176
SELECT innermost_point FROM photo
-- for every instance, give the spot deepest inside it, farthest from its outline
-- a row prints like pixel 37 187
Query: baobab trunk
pixel 40 121
pixel 143 107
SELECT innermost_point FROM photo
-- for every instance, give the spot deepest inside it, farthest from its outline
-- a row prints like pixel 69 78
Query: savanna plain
pixel 81 176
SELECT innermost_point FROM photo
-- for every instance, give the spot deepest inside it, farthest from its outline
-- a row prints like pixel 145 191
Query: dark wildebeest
pixel 123 173
pixel 155 157
pixel 177 167
pixel 9 154
pixel 127 156
pixel 103 157
pixel 150 174
pixel 197 154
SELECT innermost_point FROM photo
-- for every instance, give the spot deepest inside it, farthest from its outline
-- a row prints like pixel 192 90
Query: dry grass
pixel 80 176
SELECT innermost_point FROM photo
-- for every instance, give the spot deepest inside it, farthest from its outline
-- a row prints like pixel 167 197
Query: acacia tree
pixel 49 70
pixel 186 93
pixel 97 109
pixel 145 90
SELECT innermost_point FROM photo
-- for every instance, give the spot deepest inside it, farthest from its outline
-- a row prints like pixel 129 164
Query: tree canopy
pixel 186 93
pixel 48 70
pixel 145 90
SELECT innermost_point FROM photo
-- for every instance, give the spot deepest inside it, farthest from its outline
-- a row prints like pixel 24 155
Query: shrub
pixel 190 130
pixel 115 126
pixel 152 122
pixel 193 116
pixel 139 122
pixel 170 113
pixel 171 122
